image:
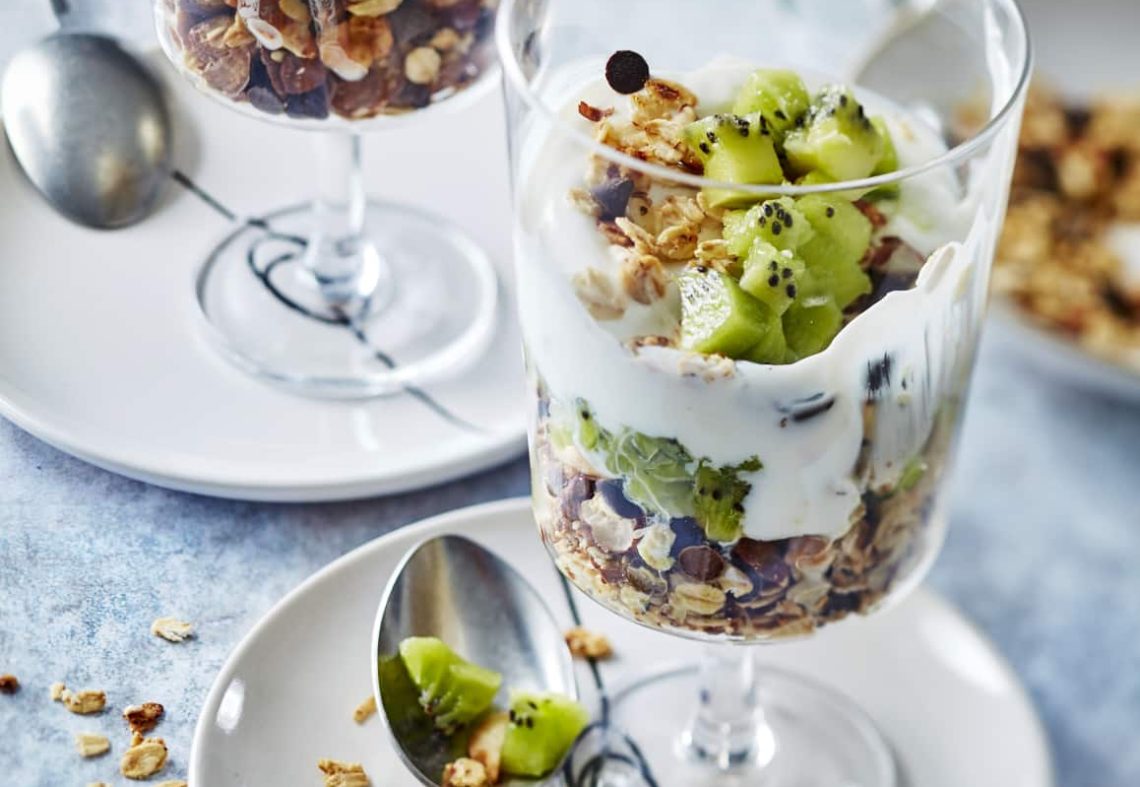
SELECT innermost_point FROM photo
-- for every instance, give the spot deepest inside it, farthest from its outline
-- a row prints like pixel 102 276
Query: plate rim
pixel 172 473
pixel 419 530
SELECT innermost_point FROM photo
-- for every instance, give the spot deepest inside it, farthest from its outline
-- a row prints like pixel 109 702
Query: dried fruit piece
pixel 224 68
pixel 145 758
pixel 343 774
pixel 9 684
pixel 364 710
pixel 586 644
pixel 55 691
pixel 92 745
pixel 143 718
pixel 172 629
pixel 465 772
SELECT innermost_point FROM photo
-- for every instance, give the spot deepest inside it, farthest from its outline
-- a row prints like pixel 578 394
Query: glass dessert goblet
pixel 753 243
pixel 343 297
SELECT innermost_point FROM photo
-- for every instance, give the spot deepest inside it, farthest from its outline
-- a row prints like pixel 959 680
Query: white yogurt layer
pixel 807 485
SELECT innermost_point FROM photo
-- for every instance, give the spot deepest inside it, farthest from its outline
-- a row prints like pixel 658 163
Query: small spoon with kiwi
pixel 460 637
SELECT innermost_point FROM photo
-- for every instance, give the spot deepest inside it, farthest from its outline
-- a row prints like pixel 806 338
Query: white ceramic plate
pixel 1084 49
pixel 101 356
pixel 946 700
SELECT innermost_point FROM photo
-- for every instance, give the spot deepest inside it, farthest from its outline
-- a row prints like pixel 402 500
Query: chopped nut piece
pixel 585 644
pixel 143 718
pixel 364 710
pixel 446 38
pixel 145 758
pixel 373 7
pixel 343 774
pixel 422 65
pixel 486 744
pixel 172 629
pixel 91 744
pixel 9 684
pixel 465 772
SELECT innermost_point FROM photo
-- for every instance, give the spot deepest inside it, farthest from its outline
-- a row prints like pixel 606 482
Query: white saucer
pixel 948 703
pixel 100 354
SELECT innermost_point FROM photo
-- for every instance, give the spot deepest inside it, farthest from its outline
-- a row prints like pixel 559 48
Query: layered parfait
pixel 312 59
pixel 745 401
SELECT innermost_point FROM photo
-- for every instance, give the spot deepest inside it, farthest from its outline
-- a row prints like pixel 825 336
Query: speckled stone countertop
pixel 1042 554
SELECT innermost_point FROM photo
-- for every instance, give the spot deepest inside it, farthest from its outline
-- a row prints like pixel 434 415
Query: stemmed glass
pixel 344 296
pixel 734 502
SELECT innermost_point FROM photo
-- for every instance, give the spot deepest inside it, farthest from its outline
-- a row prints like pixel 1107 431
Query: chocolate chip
pixel 613 198
pixel 701 562
pixel 627 72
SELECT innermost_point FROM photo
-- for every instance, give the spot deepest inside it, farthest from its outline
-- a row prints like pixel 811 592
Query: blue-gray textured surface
pixel 1043 550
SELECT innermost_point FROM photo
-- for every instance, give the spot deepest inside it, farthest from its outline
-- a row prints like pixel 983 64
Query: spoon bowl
pixel 451 588
pixel 89 126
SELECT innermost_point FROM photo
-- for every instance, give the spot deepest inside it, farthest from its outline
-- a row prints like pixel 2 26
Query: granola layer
pixel 666 572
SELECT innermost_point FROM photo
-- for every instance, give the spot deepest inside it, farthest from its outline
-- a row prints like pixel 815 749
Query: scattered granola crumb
pixel 83 702
pixel 465 772
pixel 143 718
pixel 9 684
pixel 586 644
pixel 343 774
pixel 101 784
pixel 91 744
pixel 172 629
pixel 364 710
pixel 145 758
pixel 172 783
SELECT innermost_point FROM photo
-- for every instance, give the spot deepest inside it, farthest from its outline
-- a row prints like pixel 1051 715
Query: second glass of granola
pixel 752 272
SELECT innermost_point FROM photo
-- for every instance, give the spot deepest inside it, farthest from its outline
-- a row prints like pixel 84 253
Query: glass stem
pixel 340 259
pixel 729 728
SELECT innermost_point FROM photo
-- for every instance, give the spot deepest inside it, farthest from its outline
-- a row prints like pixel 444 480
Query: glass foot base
pixel 809 736
pixel 422 311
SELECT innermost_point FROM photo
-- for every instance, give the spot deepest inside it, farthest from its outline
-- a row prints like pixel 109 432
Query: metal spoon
pixel 452 588
pixel 89 126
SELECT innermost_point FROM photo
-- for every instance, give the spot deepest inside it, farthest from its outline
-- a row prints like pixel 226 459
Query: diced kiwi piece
pixel 912 473
pixel 777 222
pixel 734 149
pixel 717 316
pixel 887 164
pixel 718 498
pixel 778 95
pixel 837 138
pixel 810 325
pixel 453 691
pixel 589 434
pixel 541 730
pixel 772 275
pixel 842 235
pixel 890 159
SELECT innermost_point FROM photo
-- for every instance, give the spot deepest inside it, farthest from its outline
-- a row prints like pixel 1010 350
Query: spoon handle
pixel 60 8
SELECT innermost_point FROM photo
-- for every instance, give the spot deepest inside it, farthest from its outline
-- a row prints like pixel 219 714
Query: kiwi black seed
pixel 627 72
pixel 791 290
pixel 773 280
pixel 830 212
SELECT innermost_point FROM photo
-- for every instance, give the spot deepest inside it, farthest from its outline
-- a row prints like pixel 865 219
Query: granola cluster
pixel 353 58
pixel 1078 174
pixel 666 573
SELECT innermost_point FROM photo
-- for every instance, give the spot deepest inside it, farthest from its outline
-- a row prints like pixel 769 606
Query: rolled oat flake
pixel 627 72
